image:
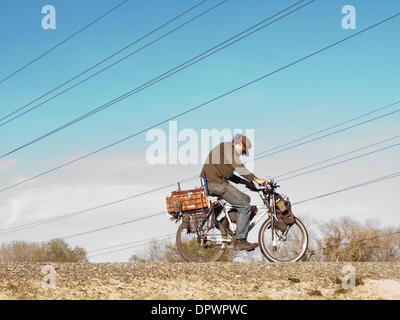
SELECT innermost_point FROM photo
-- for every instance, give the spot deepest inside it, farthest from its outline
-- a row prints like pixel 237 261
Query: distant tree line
pixel 56 250
pixel 346 239
pixel 342 239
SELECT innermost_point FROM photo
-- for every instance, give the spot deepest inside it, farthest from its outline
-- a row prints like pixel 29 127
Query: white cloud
pixel 87 184
pixel 7 164
pixel 102 179
pixel 7 215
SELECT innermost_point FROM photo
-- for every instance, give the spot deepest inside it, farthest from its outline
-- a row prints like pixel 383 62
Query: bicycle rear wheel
pixel 195 248
pixel 289 246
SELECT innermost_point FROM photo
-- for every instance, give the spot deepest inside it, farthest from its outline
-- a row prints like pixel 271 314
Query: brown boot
pixel 242 244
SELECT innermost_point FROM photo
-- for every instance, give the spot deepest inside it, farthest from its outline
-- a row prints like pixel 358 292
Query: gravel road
pixel 200 281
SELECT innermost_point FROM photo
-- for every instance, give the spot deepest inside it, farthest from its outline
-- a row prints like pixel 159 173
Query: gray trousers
pixel 237 199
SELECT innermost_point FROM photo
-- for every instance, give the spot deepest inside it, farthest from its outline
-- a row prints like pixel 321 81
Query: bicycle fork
pixel 273 219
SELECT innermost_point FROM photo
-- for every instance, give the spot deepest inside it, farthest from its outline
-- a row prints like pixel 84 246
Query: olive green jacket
pixel 221 162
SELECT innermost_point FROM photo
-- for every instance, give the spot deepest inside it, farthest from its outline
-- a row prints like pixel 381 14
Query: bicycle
pixel 201 236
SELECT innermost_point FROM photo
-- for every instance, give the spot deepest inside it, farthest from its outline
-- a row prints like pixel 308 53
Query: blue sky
pixel 355 77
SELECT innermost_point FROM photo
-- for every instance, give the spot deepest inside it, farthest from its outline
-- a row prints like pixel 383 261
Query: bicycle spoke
pixel 289 245
pixel 207 245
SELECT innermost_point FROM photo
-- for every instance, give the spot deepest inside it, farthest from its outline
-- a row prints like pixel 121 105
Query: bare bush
pixel 157 251
pixel 348 240
pixel 160 251
pixel 342 239
pixel 56 250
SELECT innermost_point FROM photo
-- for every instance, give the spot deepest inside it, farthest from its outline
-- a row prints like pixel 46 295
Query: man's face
pixel 240 148
pixel 244 149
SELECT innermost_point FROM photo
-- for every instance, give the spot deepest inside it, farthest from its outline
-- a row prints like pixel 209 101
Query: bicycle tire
pixel 266 253
pixel 186 258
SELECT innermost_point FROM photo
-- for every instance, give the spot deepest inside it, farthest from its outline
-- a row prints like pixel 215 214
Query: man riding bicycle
pixel 218 169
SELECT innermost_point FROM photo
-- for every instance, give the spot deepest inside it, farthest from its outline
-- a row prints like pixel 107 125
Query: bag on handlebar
pixel 284 212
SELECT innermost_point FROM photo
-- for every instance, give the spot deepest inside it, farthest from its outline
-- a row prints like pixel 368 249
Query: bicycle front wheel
pixel 288 246
pixel 195 248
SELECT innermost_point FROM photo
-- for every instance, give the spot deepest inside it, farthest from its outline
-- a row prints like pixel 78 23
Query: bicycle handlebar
pixel 271 186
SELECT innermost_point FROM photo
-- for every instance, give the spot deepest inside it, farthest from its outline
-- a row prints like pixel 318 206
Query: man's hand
pixel 251 186
pixel 261 182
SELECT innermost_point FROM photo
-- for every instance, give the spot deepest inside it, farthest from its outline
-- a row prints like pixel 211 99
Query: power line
pixel 54 219
pixel 372 181
pixel 156 79
pixel 115 225
pixel 62 42
pixel 338 156
pixel 339 162
pixel 131 242
pixel 93 208
pixel 23 227
pixel 358 240
pixel 79 212
pixel 387 177
pixel 393 175
pixel 390 176
pixel 287 173
pixel 377 237
pixel 139 243
pixel 68 215
pixel 106 59
pixel 154 126
pixel 194 108
pixel 328 134
pixel 131 247
pixel 332 127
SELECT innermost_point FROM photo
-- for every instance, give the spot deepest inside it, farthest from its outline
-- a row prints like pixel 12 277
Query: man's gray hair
pixel 242 139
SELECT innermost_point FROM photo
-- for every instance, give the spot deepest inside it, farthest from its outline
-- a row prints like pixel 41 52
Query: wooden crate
pixel 185 200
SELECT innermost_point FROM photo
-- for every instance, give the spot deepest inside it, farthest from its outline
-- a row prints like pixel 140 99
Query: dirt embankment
pixel 200 281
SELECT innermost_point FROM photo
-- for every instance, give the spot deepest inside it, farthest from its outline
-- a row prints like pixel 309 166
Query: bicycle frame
pixel 208 229
pixel 269 207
